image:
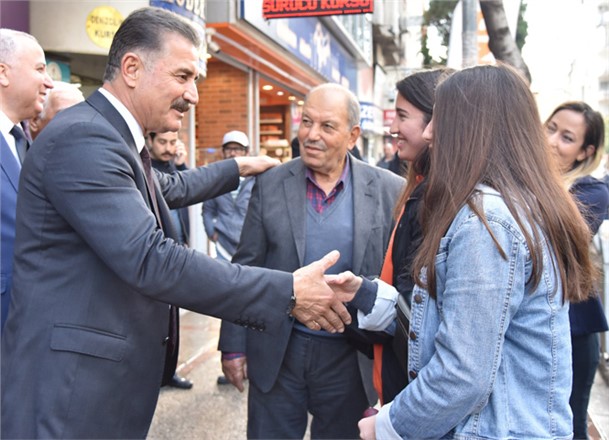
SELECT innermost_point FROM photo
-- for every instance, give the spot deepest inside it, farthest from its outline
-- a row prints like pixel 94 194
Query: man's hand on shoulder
pixel 251 166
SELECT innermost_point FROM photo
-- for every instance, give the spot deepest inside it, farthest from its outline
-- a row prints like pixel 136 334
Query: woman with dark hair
pixel 504 251
pixel 414 107
pixel 575 133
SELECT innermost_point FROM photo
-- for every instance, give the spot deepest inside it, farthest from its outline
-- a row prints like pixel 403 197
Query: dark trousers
pixel 586 353
pixel 319 376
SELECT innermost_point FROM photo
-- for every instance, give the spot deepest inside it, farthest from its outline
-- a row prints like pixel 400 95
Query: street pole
pixel 470 33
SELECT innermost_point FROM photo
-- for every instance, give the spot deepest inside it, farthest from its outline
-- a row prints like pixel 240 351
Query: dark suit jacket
pixel 273 236
pixel 592 196
pixel 84 346
pixel 9 183
pixel 170 167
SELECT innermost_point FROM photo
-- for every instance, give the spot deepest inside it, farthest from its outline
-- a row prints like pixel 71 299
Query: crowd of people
pixel 448 292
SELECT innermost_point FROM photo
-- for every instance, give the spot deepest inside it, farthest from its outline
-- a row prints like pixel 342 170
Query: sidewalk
pixel 207 411
pixel 598 409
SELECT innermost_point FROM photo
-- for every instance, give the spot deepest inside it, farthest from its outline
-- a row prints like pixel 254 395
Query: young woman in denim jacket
pixel 576 134
pixel 504 250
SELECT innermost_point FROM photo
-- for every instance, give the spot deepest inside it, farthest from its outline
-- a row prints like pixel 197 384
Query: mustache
pixel 316 145
pixel 180 105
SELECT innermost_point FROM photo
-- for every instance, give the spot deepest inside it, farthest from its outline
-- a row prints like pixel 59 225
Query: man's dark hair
pixel 144 31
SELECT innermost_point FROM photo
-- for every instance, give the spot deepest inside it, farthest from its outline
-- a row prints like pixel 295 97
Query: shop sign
pixel 102 23
pixel 58 71
pixel 310 41
pixel 193 11
pixel 308 8
pixel 388 117
pixel 370 116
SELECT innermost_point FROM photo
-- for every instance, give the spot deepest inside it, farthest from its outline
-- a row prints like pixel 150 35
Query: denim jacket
pixel 490 357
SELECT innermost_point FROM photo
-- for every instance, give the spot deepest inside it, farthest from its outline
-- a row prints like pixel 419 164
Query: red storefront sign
pixel 308 8
pixel 388 117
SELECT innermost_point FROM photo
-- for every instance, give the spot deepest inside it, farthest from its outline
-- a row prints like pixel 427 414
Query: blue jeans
pixel 319 375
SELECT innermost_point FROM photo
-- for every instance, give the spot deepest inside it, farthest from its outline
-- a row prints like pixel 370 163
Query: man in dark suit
pixel 89 337
pixel 323 200
pixel 24 83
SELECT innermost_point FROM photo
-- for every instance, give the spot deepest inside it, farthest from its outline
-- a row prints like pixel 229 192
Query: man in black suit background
pixel 90 336
pixel 168 155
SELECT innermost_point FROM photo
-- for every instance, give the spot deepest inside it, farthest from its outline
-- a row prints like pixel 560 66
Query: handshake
pixel 319 305
pixel 320 298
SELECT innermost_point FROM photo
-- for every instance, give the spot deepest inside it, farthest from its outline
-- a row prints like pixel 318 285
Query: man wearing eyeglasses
pixel 223 216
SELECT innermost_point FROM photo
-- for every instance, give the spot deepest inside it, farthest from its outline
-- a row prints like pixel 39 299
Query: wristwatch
pixel 291 304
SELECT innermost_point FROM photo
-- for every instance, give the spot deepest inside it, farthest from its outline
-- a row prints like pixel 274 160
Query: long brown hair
pixel 418 89
pixel 487 130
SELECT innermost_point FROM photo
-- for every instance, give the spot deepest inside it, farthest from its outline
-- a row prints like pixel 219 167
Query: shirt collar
pixel 134 127
pixel 6 125
pixel 342 178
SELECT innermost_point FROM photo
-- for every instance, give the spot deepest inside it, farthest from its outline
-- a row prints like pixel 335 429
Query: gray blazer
pixel 273 236
pixel 84 346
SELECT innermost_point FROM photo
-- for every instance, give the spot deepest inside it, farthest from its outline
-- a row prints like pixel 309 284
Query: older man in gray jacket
pixel 323 200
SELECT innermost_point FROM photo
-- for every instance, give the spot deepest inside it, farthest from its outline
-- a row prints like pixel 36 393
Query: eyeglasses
pixel 235 149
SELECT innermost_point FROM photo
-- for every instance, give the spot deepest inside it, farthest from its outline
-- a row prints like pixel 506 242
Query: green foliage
pixel 440 14
pixel 428 61
pixel 425 51
pixel 522 28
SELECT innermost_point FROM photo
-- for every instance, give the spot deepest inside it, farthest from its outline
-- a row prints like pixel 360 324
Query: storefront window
pixel 359 27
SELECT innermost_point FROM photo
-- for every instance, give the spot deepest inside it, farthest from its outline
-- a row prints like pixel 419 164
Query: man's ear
pixel 131 68
pixel 34 124
pixel 4 75
pixel 355 133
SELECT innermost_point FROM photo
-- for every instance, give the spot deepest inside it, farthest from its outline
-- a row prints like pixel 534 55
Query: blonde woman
pixel 575 133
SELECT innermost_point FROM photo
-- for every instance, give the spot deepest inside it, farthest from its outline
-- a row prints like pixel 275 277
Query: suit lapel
pixel 365 186
pixel 10 166
pixel 107 110
pixel 295 194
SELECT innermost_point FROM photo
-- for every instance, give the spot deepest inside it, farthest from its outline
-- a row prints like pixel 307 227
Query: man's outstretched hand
pixel 317 306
